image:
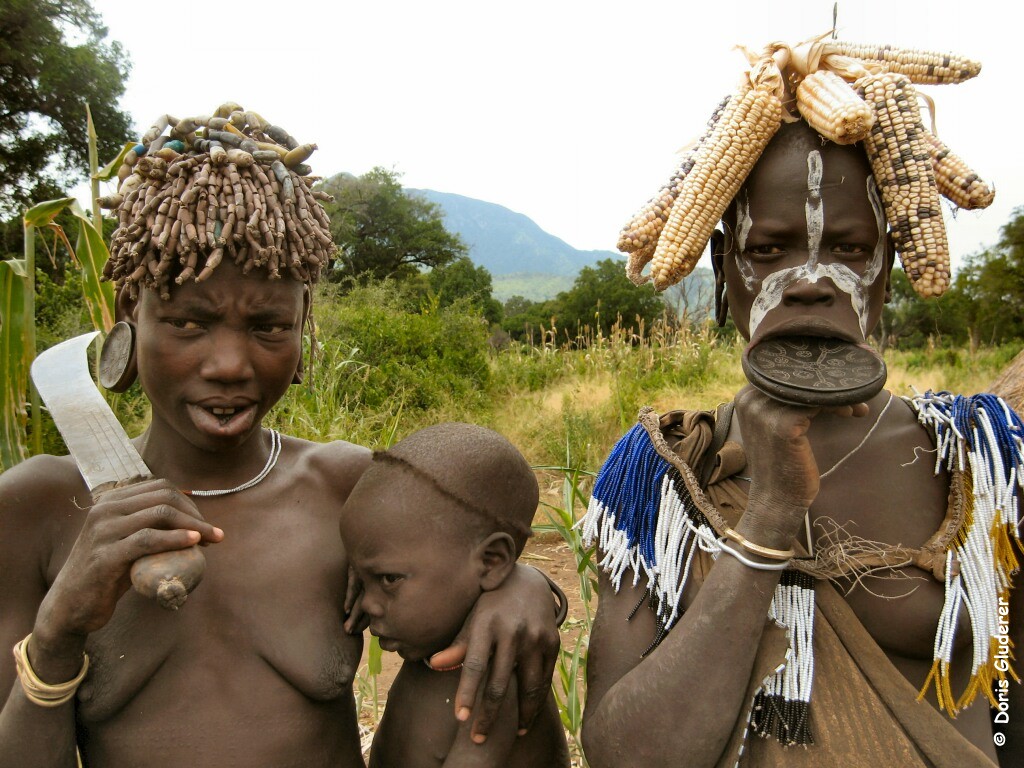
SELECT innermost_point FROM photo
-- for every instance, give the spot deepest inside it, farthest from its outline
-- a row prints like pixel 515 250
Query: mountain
pixel 522 258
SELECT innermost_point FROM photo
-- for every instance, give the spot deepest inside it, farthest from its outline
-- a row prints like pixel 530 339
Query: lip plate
pixel 814 371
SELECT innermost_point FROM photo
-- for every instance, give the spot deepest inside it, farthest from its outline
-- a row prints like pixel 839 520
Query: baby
pixel 433 523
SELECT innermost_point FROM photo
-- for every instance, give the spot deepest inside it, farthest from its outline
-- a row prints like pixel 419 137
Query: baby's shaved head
pixel 474 466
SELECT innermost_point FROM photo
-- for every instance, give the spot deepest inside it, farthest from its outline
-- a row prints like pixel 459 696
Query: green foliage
pixel 60 311
pixel 383 231
pixel 18 317
pixel 525 320
pixel 985 304
pixel 462 280
pixel 15 359
pixel 569 685
pixel 991 288
pixel 603 296
pixel 909 321
pixel 380 356
pixel 47 81
pixel 600 299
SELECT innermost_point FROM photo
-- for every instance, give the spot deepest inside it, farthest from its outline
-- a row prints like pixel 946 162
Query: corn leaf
pixel 91 254
pixel 14 363
pixel 374 657
pixel 108 171
pixel 43 214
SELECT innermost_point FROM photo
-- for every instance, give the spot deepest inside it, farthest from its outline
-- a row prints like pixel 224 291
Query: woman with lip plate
pixel 256 668
pixel 821 581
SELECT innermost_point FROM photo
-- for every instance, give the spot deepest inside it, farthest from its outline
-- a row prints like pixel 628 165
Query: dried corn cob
pixel 956 181
pixel 641 232
pixel 903 171
pixel 638 260
pixel 921 67
pixel 749 121
pixel 833 108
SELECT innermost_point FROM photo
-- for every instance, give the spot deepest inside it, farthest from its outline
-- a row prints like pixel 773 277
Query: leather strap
pixel 723 420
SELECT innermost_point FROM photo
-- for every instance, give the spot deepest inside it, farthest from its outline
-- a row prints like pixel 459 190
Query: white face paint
pixel 845 279
pixel 743 225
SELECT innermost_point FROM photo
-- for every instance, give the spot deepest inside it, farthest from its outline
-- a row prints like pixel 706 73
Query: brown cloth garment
pixel 864 712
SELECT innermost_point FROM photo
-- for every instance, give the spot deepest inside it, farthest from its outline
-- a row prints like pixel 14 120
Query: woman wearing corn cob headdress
pixel 817 563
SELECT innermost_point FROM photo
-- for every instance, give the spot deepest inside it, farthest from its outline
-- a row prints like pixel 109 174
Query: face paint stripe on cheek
pixel 770 295
pixel 743 224
pixel 878 257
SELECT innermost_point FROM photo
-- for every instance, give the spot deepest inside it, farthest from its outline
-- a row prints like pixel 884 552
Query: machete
pixel 106 457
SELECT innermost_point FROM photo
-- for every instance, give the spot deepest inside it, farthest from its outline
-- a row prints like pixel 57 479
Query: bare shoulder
pixel 43 503
pixel 43 489
pixel 337 463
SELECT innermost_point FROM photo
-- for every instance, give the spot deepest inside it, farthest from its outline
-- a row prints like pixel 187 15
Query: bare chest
pixel 263 627
pixel 876 496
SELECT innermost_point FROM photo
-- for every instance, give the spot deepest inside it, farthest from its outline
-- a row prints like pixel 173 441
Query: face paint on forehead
pixel 845 279
pixel 814 209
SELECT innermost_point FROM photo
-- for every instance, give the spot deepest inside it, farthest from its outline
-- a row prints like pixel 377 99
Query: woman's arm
pixel 39 513
pixel 512 630
pixel 680 703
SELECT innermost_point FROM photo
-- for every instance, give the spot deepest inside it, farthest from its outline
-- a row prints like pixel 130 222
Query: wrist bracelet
pixel 40 693
pixel 757 549
pixel 723 544
pixel 563 601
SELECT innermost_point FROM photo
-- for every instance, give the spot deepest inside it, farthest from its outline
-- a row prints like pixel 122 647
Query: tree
pixel 992 282
pixel 45 83
pixel 462 279
pixel 692 301
pixel 908 321
pixel 602 294
pixel 382 231
pixel 524 319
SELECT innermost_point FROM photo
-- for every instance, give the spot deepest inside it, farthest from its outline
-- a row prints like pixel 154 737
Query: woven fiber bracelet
pixel 757 549
pixel 723 544
pixel 38 692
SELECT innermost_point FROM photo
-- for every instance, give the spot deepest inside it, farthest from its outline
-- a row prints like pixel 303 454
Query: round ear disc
pixel 810 370
pixel 118 368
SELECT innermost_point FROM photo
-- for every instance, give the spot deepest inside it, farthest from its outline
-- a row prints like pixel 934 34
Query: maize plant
pixel 17 317
pixel 569 685
pixel 17 305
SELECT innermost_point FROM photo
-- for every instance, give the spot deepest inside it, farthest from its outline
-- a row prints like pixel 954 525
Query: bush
pixel 379 358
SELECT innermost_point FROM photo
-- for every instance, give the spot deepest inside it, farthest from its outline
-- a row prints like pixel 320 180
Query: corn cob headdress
pixel 847 93
pixel 230 183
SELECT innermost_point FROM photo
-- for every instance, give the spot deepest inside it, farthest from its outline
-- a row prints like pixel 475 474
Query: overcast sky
pixel 568 112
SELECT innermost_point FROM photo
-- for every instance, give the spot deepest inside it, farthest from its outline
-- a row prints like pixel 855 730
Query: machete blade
pixel 97 441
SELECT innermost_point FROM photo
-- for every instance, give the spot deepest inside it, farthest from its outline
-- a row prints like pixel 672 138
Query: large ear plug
pixel 721 297
pixel 721 301
pixel 118 367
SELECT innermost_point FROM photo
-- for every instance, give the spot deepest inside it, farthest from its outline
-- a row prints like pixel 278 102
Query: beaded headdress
pixel 228 184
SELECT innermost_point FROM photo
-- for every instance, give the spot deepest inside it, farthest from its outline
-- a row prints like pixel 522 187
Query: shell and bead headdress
pixel 228 184
pixel 848 93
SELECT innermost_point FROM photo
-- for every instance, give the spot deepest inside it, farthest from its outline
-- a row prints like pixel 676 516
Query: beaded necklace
pixel 275 453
